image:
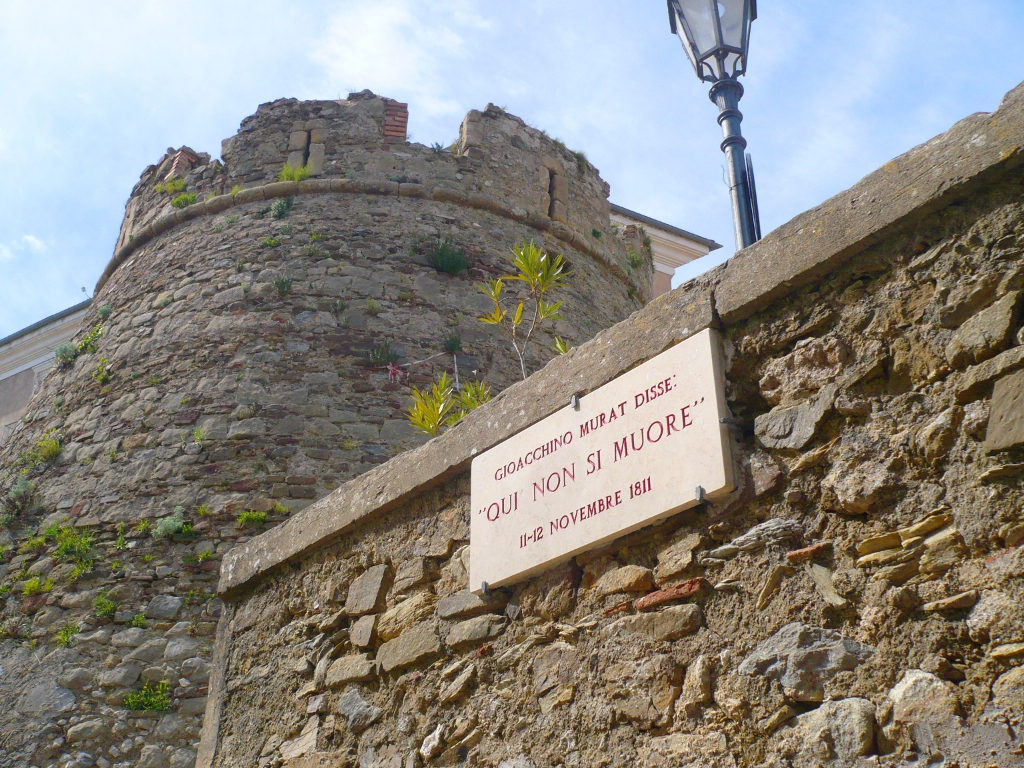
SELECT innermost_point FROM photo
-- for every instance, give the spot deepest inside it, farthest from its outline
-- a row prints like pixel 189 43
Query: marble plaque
pixel 632 452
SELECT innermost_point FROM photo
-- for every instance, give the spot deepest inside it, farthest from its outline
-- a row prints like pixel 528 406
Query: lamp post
pixel 715 35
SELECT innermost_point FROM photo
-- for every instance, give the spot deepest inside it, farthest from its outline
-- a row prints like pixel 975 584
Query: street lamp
pixel 715 35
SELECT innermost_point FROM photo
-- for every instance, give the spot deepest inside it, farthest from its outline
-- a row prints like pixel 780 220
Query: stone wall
pixel 856 601
pixel 234 383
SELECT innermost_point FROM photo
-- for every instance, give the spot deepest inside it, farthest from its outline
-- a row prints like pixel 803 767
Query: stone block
pixel 164 607
pixel 298 141
pixel 317 153
pixel 558 212
pixel 367 592
pixel 360 713
pixel 804 658
pixel 554 665
pixel 87 729
pixel 363 631
pixel 475 630
pixel 350 669
pixel 697 686
pixel 464 605
pixel 665 625
pixel 677 557
pixel 559 189
pixel 793 427
pixel 318 135
pixel 247 428
pixel 986 334
pixel 413 572
pixel 406 613
pixel 148 651
pixel 837 732
pixel 122 676
pixel 628 578
pixel 181 648
pixel 1006 419
pixel 416 645
pixel 305 742
pixel 132 637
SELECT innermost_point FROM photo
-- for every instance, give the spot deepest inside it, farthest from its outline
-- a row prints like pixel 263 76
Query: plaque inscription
pixel 633 452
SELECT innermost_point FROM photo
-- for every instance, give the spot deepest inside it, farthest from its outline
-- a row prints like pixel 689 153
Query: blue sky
pixel 93 93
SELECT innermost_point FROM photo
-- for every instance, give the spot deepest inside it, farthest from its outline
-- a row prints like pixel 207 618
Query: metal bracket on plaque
pixel 746 426
pixel 483 587
pixel 574 401
pixel 701 498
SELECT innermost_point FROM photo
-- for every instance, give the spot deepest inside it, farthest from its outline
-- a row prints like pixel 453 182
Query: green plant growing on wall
pixel 66 635
pixel 138 621
pixel 46 450
pixel 382 354
pixel 104 311
pixel 251 519
pixel 315 236
pixel 89 343
pixel 73 546
pixel 234 191
pixel 100 374
pixel 184 200
pixel 539 274
pixel 20 498
pixel 65 354
pixel 283 286
pixel 430 407
pixel 269 242
pixel 170 525
pixel 339 306
pixel 596 233
pixel 372 307
pixel 443 405
pixel 445 257
pixel 472 395
pixel 280 207
pixel 172 187
pixel 634 259
pixel 289 173
pixel 36 586
pixel 149 699
pixel 582 163
pixel 560 346
pixel 104 606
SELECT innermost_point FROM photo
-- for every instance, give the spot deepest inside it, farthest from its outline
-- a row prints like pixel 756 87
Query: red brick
pixel 675 592
pixel 620 608
pixel 808 553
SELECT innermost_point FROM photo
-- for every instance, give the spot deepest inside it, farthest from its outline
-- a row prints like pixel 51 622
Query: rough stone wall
pixel 239 381
pixel 856 602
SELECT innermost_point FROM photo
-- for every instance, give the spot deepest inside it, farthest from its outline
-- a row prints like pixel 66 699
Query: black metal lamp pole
pixel 715 35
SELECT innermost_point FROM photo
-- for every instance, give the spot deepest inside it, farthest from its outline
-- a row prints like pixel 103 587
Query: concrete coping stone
pixel 935 174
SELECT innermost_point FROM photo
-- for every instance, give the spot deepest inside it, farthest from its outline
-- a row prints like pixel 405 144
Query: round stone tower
pixel 242 372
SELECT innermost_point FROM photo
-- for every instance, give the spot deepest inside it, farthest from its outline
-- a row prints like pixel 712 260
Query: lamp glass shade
pixel 699 20
pixel 730 13
pixel 715 34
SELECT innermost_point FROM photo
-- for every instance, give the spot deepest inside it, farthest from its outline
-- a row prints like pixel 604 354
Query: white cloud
pixel 398 48
pixel 33 243
pixel 5 253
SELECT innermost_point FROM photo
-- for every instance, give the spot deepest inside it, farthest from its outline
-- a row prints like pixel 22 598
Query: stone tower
pixel 245 325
